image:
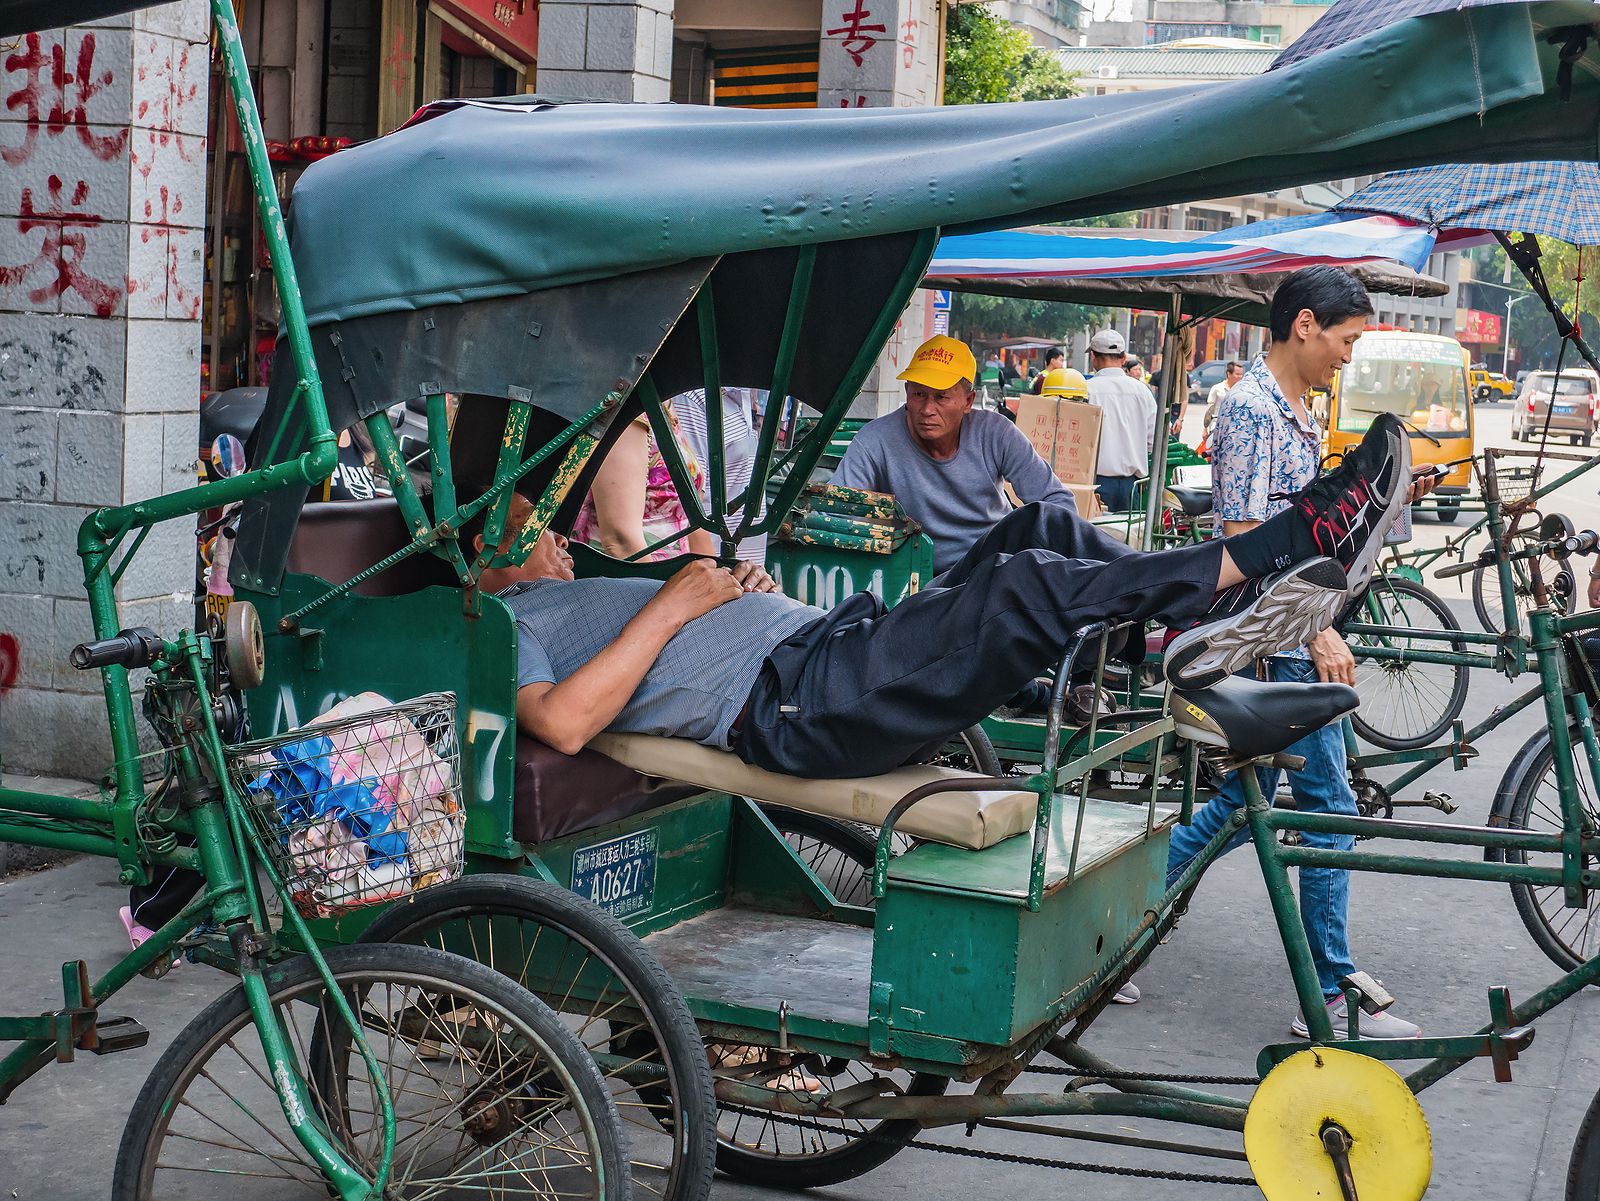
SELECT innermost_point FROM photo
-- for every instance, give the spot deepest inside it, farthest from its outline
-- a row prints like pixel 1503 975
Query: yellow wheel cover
pixel 1391 1152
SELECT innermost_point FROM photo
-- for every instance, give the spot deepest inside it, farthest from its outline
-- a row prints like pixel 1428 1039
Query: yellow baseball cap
pixel 940 362
pixel 1064 381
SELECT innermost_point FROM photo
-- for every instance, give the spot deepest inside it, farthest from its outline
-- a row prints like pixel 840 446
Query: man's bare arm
pixel 567 715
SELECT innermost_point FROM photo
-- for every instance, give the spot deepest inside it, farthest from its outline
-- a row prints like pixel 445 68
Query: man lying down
pixel 717 655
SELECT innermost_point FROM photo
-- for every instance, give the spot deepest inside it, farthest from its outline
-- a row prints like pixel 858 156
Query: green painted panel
pixel 964 960
pixel 691 842
pixel 402 646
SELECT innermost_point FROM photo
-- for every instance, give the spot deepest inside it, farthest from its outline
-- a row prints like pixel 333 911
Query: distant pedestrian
pixel 1128 423
pixel 1052 360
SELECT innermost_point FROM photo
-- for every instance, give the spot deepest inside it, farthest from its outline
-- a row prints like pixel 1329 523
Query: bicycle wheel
pixel 839 853
pixel 1568 936
pixel 1410 704
pixel 618 1001
pixel 490 1091
pixel 1583 1169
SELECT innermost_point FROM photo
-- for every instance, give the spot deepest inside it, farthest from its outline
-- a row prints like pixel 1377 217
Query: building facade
pixel 1157 22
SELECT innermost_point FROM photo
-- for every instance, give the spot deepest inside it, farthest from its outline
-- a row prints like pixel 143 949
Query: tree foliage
pixel 987 61
pixel 1533 335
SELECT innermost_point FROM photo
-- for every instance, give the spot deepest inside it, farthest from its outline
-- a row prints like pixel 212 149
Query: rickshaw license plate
pixel 618 875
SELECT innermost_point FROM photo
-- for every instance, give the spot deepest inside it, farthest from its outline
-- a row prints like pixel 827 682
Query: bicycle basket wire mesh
pixel 360 806
pixel 1515 482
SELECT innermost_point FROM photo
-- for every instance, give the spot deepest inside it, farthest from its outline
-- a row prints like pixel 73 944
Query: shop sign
pixel 1479 326
pixel 512 25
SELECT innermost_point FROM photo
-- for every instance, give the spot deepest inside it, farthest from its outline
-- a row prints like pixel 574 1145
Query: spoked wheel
pixel 1569 937
pixel 610 992
pixel 841 854
pixel 1583 1170
pixel 492 1096
pixel 789 1152
pixel 1405 705
pixel 1487 603
pixel 971 750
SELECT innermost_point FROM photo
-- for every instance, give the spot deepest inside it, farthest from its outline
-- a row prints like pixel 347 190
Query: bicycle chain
pixel 1032 1161
pixel 1177 1078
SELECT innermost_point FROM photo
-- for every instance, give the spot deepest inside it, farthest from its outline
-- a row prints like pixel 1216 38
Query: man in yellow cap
pixel 945 461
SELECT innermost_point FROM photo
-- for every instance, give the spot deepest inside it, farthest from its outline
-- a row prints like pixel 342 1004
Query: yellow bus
pixel 1422 379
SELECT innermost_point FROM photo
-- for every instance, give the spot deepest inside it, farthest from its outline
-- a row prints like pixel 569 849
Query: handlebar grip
pixel 136 647
pixel 1584 542
pixel 1451 572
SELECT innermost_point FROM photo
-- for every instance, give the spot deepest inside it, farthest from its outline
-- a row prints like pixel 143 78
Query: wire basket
pixel 360 806
pixel 1514 483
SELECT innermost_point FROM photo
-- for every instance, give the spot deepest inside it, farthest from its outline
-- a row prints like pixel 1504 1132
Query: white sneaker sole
pixel 1289 613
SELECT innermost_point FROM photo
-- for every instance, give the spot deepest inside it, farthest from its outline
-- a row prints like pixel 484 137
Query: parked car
pixel 1486 384
pixel 1560 406
pixel 1204 377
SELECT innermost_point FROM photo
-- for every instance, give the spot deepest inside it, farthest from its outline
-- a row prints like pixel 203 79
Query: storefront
pixel 329 74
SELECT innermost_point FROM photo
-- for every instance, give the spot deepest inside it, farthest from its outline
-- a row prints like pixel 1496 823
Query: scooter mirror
pixel 227 455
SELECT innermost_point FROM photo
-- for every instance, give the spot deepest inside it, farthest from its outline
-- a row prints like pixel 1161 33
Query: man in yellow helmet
pixel 943 460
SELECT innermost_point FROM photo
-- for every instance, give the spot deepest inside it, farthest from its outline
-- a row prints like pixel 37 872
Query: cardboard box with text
pixel 1066 433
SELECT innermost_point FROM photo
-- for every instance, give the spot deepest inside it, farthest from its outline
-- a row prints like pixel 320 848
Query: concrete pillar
pixel 883 54
pixel 102 204
pixel 606 50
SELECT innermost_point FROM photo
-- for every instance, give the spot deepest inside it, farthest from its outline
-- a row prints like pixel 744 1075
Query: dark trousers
pixel 1116 491
pixel 861 691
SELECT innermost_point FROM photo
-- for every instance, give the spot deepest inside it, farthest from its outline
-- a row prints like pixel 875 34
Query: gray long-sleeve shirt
pixel 955 500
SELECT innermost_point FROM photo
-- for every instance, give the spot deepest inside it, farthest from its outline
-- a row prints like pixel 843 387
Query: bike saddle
pixel 1591 650
pixel 1254 718
pixel 1195 502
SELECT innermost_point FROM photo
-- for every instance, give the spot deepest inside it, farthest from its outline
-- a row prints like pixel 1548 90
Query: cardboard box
pixel 1066 433
pixel 1083 496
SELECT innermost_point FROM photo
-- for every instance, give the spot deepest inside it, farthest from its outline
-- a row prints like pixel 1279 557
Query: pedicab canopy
pixel 521 249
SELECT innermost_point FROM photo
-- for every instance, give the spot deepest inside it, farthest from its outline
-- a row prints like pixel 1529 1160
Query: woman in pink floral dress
pixel 633 504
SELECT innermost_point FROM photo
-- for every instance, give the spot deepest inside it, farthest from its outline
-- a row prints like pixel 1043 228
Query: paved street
pixel 1212 997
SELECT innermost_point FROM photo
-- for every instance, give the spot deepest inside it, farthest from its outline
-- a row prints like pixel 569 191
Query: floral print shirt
pixel 1261 451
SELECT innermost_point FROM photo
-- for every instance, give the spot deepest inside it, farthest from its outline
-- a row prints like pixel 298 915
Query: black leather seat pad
pixel 560 794
pixel 1262 718
pixel 337 540
pixel 1195 502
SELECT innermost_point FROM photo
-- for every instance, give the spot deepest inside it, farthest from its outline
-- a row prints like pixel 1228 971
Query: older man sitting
pixel 945 461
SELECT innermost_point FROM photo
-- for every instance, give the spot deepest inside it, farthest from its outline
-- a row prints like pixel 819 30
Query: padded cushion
pixel 558 794
pixel 336 540
pixel 965 819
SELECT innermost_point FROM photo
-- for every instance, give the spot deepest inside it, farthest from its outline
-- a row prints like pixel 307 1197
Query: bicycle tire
pixel 497 1004
pixel 491 918
pixel 864 1145
pixel 1568 937
pixel 1583 1169
pixel 1397 699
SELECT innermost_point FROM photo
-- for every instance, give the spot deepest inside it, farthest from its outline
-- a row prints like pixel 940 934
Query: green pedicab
pixel 636 889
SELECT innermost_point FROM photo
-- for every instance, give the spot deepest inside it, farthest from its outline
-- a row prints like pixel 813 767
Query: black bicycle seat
pixel 1591 650
pixel 1195 502
pixel 1254 718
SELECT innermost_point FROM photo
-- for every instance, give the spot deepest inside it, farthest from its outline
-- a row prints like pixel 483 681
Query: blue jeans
pixel 1116 491
pixel 1323 787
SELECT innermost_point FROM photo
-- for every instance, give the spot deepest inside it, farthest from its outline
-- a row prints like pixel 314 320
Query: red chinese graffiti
pixel 69 106
pixel 174 99
pixel 857 33
pixel 399 63
pixel 58 265
pixel 10 662
pixel 908 35
pixel 845 102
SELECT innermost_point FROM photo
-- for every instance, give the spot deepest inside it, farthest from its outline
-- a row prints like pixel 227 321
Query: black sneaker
pixel 1287 611
pixel 1349 510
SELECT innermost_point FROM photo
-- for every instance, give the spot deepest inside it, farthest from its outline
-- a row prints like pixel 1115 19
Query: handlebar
pixel 1585 542
pixel 137 647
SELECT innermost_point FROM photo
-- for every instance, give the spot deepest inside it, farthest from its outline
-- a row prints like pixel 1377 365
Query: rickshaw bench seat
pixel 558 794
pixel 973 820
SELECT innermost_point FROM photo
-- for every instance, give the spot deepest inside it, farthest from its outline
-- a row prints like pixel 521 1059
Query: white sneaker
pixel 1383 1025
pixel 1128 994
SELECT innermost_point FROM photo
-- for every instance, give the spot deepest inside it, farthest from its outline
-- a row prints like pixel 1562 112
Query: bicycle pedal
pixel 113 1034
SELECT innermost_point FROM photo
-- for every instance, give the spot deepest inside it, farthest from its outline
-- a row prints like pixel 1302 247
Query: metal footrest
pixel 113 1034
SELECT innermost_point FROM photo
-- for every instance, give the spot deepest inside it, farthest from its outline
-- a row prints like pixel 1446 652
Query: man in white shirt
pixel 739 438
pixel 1233 373
pixel 1128 426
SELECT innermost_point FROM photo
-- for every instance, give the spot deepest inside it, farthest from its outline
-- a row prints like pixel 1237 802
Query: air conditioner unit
pixel 1107 71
